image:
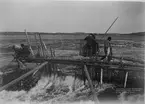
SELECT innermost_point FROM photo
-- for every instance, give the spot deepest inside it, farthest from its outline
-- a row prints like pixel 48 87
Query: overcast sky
pixel 71 16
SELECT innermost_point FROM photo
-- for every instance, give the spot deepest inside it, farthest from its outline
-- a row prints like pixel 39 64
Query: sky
pixel 71 16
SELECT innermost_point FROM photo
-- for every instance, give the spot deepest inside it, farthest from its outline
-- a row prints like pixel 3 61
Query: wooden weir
pixel 110 66
pixel 45 62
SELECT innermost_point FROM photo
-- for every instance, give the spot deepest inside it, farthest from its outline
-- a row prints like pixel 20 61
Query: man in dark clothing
pixel 91 46
pixel 95 45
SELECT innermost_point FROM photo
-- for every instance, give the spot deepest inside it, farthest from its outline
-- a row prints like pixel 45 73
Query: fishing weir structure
pixel 90 68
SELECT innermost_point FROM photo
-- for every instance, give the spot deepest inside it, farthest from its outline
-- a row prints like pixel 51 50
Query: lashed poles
pixel 28 41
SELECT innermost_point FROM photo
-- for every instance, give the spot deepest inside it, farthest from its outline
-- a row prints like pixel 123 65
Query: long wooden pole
pixel 111 25
pixel 28 41
pixel 91 84
pixel 23 76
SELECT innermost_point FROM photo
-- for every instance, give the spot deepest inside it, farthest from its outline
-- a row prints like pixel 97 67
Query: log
pixel 22 77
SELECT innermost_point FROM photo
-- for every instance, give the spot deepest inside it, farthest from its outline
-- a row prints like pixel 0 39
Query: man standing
pixel 91 46
pixel 108 49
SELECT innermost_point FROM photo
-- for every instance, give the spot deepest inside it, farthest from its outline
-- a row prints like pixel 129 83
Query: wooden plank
pixel 22 77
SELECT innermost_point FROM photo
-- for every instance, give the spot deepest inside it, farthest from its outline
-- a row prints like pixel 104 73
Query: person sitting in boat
pixel 107 49
pixel 91 47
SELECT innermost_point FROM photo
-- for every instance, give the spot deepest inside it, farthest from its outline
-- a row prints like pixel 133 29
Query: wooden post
pixel 28 41
pixel 37 45
pixel 45 47
pixel 41 45
pixel 51 52
pixel 126 75
pixel 101 77
pixel 91 84
pixel 74 82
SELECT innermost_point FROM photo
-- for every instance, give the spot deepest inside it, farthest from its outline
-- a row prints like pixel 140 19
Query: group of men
pixel 91 47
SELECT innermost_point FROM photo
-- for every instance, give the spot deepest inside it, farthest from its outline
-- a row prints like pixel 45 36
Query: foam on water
pixel 40 95
pixel 37 93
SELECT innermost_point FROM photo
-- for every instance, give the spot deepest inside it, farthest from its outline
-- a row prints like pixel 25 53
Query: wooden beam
pixel 112 65
pixel 22 77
